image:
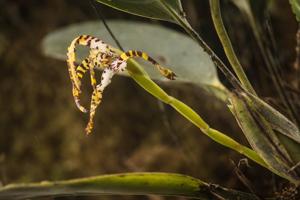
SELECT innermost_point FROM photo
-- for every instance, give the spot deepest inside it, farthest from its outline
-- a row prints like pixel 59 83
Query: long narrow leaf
pixel 277 120
pixel 125 184
pixel 259 138
pixel 271 63
pixel 288 132
pixel 227 46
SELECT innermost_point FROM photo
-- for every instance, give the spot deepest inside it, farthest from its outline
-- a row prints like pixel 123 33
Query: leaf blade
pixel 145 8
pixel 258 136
pixel 167 184
pixel 277 120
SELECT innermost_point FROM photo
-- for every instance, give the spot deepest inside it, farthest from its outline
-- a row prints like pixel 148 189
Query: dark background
pixel 42 132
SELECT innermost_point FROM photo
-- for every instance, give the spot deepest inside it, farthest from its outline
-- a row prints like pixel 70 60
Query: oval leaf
pixel 146 8
pixel 170 48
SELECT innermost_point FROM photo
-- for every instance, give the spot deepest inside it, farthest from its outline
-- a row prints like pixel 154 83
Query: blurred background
pixel 42 132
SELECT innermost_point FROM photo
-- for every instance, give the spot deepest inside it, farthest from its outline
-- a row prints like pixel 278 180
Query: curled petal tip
pixel 80 107
pixel 84 110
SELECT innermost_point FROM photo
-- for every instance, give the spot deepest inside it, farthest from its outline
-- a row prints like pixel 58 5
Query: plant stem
pixel 145 82
pixel 227 46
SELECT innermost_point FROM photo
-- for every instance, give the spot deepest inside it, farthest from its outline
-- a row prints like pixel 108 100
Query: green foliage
pixel 166 184
pixel 154 9
pixel 276 120
pixel 258 132
pixel 228 49
pixel 256 118
pixel 295 4
pixel 288 134
pixel 284 134
pixel 257 28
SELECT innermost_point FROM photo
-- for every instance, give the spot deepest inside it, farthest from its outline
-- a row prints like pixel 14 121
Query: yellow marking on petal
pixel 95 101
pixel 75 92
pixel 85 65
pixel 124 56
pixel 94 81
pixel 145 56
pixel 79 68
pixel 130 53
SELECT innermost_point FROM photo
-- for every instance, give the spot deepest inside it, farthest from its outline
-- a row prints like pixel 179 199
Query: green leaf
pixel 295 4
pixel 282 125
pixel 166 184
pixel 227 46
pixel 146 8
pixel 170 48
pixel 260 135
pixel 277 120
pixel 246 8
